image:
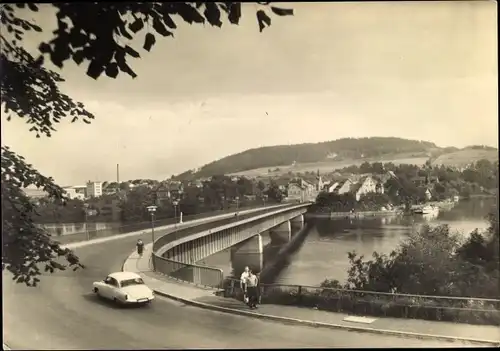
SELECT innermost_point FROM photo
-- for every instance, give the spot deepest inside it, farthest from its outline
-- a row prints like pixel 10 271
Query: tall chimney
pixel 118 173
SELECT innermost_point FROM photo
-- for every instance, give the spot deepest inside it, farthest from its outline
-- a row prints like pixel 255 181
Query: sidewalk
pixel 205 298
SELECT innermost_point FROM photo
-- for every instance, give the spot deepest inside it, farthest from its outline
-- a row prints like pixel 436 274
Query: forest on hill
pixel 374 148
pixel 341 149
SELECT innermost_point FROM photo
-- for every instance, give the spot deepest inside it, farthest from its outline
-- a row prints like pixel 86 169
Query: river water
pixel 324 251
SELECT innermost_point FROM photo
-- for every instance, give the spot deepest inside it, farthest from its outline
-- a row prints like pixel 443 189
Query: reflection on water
pixel 272 244
pixel 74 228
pixel 324 253
pixel 222 259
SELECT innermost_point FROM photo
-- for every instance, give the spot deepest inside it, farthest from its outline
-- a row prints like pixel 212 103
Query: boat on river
pixel 427 209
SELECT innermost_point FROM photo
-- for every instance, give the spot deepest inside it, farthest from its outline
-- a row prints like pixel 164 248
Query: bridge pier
pixel 297 223
pixel 248 253
pixel 282 231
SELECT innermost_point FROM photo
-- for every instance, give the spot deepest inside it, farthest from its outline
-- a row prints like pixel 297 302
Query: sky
pixel 425 71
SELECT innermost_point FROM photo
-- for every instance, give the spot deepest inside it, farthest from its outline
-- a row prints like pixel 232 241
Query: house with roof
pixel 330 187
pixel 73 193
pixel 282 184
pixel 306 185
pixel 366 185
pixel 344 186
pixel 296 191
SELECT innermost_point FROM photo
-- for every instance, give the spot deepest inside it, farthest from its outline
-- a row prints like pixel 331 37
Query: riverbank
pixel 360 214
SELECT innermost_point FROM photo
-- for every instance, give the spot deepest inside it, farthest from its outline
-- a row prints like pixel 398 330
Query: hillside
pixel 337 150
pixel 326 156
pixel 465 156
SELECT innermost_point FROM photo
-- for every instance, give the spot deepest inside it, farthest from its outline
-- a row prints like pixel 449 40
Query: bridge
pixel 177 254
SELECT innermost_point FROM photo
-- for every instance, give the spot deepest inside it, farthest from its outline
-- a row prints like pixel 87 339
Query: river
pixel 324 252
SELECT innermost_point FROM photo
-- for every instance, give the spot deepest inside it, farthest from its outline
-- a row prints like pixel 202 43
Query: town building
pixel 344 186
pixel 296 191
pixel 330 187
pixel 94 189
pixel 364 186
pixel 75 193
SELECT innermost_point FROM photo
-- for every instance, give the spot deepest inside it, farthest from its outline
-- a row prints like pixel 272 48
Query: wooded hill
pixel 336 150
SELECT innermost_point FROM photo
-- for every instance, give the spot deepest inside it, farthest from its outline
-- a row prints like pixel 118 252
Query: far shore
pixel 354 214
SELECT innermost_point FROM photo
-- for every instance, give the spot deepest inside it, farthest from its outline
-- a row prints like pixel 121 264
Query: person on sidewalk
pixel 140 247
pixel 259 290
pixel 243 279
pixel 252 293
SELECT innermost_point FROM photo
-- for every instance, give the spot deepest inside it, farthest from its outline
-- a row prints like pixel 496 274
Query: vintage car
pixel 124 288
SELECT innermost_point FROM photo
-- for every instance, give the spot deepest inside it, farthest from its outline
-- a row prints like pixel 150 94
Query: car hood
pixel 137 291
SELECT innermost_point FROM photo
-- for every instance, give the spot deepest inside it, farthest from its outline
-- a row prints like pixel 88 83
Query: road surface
pixel 62 313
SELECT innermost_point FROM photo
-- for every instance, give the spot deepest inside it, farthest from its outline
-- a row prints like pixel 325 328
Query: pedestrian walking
pixel 252 286
pixel 140 247
pixel 259 289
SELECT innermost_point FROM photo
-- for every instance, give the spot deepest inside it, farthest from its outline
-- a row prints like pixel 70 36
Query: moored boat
pixel 427 209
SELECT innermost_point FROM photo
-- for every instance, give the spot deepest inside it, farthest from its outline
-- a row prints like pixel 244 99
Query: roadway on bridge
pixel 62 313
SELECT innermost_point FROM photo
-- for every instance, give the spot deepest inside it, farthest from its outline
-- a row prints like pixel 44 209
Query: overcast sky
pixel 423 71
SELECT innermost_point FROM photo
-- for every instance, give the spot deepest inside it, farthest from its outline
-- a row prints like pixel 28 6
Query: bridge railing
pixel 185 232
pixel 133 227
pixel 193 273
pixel 440 308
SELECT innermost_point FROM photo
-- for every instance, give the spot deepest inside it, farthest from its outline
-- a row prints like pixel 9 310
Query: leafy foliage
pixel 274 193
pixel 25 246
pixel 335 202
pixel 433 261
pixel 29 90
pixel 86 32
pixel 57 211
pixel 218 193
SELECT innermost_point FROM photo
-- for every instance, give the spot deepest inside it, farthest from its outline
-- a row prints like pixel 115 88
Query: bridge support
pixel 283 232
pixel 248 253
pixel 297 223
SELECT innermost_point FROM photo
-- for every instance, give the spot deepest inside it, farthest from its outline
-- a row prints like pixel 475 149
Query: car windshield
pixel 129 282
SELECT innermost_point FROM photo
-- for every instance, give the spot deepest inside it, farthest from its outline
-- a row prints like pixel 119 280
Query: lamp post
pixel 175 203
pixel 85 208
pixel 152 209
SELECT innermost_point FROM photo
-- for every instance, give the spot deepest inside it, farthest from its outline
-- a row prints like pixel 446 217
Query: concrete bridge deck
pixel 177 254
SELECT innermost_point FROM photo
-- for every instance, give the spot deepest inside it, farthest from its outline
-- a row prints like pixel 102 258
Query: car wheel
pixel 95 290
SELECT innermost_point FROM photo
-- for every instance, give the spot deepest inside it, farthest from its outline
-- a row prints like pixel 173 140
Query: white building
pixel 75 192
pixel 94 189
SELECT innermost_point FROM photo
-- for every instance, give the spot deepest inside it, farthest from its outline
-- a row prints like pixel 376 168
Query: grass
pixel 457 158
pixel 464 157
pixel 329 166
